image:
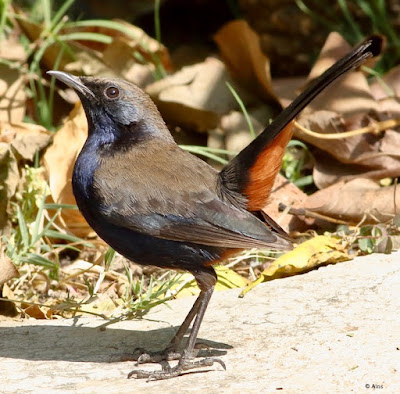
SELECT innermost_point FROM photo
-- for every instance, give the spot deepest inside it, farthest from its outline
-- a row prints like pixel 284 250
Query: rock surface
pixel 335 329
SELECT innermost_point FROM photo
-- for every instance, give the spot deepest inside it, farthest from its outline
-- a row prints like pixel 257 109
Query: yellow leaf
pixel 227 279
pixel 310 254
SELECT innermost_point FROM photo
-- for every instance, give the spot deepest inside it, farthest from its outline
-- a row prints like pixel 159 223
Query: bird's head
pixel 116 108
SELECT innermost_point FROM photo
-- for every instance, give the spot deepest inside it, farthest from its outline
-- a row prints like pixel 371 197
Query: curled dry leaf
pixel 37 311
pixel 135 39
pixel 313 253
pixel 240 49
pixel 355 200
pixel 59 162
pixel 197 95
pixel 7 268
pixel 366 155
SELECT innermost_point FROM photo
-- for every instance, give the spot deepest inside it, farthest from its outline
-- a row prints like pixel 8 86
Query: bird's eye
pixel 112 92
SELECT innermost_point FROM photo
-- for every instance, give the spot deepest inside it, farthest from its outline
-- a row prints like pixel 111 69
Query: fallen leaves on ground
pixel 356 200
pixel 197 96
pixel 320 250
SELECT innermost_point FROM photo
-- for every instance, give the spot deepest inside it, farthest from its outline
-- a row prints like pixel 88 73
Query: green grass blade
pixel 350 20
pixel 157 24
pixel 23 229
pixel 199 150
pixel 243 108
pixel 46 10
pixel 67 237
pixel 38 220
pixel 65 5
pixel 36 259
pixel 86 36
pixel 60 206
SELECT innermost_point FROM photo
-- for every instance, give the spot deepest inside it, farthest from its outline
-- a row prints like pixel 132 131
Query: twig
pixel 375 128
pixel 305 212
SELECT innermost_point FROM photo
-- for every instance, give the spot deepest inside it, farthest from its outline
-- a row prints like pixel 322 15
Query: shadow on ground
pixel 86 344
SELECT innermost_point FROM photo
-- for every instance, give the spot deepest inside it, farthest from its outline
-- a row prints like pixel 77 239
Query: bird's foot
pixel 167 372
pixel 143 356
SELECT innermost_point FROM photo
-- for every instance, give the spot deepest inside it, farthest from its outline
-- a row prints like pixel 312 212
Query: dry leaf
pixel 94 58
pixel 285 192
pixel 349 105
pixel 241 51
pixel 390 86
pixel 136 39
pixel 59 162
pixel 52 53
pixel 37 312
pixel 355 200
pixel 236 130
pixel 18 141
pixel 7 307
pixel 197 95
pixel 28 138
pixel 313 253
pixel 7 268
pixel 11 48
pixel 119 58
pixel 350 94
pixel 287 89
pixel 12 94
pixel 9 179
pixel 367 155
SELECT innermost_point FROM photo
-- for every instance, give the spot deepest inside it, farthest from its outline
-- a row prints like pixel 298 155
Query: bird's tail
pixel 252 172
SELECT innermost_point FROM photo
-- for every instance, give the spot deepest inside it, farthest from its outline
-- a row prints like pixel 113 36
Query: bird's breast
pixel 83 175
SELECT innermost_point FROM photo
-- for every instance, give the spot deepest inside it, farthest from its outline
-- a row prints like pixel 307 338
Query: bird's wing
pixel 177 199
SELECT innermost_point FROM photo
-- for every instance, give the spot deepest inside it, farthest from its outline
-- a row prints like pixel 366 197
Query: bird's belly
pixel 149 250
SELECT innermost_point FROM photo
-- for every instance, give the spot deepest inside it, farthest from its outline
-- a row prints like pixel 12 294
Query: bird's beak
pixel 73 82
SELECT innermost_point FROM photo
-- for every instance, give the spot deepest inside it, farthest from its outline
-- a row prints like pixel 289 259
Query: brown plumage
pixel 157 204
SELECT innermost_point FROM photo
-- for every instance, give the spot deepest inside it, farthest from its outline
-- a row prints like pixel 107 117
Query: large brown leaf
pixel 241 51
pixel 59 162
pixel 355 200
pixel 197 96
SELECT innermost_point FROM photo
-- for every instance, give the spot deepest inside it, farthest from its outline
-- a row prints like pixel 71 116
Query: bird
pixel 157 204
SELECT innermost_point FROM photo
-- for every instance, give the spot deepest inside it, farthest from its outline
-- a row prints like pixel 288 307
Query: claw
pixel 167 372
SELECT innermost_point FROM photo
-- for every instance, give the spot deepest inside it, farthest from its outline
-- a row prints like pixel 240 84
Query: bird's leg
pixel 171 351
pixel 206 279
